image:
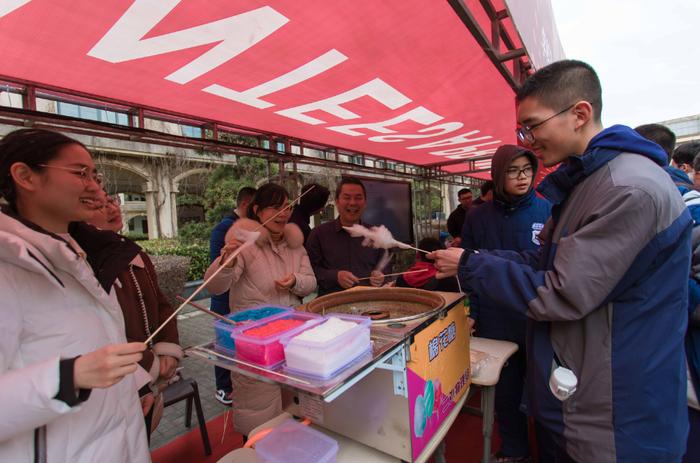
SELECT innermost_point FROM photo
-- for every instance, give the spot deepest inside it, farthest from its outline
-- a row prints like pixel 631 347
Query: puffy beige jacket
pixel 251 282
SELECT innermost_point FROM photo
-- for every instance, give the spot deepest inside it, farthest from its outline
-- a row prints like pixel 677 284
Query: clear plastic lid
pixel 292 442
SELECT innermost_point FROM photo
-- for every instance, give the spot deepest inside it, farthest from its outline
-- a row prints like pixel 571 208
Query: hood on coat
pixel 108 253
pixel 31 248
pixel 602 148
pixel 625 140
pixel 677 175
pixel 500 162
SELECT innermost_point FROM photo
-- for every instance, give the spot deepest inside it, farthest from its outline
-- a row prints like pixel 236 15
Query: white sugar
pixel 331 329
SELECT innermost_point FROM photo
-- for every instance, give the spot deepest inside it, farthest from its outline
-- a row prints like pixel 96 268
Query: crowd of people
pixel 595 271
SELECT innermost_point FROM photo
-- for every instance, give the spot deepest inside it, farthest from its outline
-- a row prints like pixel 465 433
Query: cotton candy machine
pixel 382 305
pixel 400 398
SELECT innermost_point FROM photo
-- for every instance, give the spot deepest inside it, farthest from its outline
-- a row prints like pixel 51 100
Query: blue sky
pixel 645 52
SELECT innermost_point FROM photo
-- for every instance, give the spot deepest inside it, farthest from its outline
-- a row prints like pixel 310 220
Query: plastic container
pixel 324 360
pixel 224 343
pixel 291 442
pixel 267 351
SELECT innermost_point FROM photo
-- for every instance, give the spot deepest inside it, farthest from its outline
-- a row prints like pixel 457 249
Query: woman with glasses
pixel 144 307
pixel 67 388
pixel 276 270
pixel 512 222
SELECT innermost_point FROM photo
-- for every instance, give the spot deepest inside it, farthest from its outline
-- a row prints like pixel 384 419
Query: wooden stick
pixel 228 260
pixel 199 289
pixel 406 246
pixel 396 274
pixel 209 312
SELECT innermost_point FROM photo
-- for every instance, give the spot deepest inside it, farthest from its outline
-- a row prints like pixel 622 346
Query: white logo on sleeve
pixel 536 229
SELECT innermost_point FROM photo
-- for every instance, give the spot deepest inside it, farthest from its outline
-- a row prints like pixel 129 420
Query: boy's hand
pixel 446 261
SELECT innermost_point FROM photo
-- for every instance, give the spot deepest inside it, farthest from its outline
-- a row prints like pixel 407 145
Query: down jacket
pixel 52 307
pixel 251 281
pixel 607 297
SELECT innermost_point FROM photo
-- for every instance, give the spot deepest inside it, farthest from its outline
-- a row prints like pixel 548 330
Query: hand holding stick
pixel 226 262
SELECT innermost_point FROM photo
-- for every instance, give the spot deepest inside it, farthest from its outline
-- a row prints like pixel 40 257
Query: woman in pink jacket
pixel 275 270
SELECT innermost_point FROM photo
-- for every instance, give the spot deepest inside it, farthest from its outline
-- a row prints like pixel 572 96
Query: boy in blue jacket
pixel 606 297
pixel 512 221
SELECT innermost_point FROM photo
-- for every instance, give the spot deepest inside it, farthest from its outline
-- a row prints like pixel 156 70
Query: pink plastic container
pixel 267 351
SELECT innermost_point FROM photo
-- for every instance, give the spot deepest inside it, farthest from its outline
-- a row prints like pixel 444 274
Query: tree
pixel 221 191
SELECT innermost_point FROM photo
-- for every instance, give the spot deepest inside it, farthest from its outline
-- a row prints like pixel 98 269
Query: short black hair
pixel 464 191
pixel 349 181
pixel 564 83
pixel 315 199
pixel 487 186
pixel 659 134
pixel 686 153
pixel 32 147
pixel 245 194
pixel 268 195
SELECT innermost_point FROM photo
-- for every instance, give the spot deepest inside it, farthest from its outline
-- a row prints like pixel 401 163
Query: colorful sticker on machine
pixel 437 374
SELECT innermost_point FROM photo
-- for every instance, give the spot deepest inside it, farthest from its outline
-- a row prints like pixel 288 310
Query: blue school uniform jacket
pixel 607 297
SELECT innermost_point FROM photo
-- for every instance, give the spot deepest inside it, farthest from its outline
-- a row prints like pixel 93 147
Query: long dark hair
pixel 268 195
pixel 32 147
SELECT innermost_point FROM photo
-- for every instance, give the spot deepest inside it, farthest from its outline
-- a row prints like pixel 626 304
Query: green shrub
pixel 134 236
pixel 198 253
pixel 195 232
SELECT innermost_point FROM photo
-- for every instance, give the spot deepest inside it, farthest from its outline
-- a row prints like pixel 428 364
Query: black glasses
pixel 515 173
pixel 525 134
pixel 83 172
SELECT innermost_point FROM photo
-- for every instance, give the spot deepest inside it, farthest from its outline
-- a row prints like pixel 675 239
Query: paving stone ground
pixel 194 328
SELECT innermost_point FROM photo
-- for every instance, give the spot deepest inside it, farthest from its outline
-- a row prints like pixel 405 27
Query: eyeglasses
pixel 515 173
pixel 525 134
pixel 83 172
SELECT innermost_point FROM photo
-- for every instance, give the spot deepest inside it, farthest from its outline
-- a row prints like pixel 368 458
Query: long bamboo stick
pixel 396 274
pixel 208 312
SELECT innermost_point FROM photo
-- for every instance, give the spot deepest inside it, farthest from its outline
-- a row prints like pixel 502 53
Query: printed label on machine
pixel 437 375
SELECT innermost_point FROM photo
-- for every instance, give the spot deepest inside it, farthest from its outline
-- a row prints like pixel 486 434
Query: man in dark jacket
pixel 219 303
pixel 606 296
pixel 456 219
pixel 511 221
pixel 338 259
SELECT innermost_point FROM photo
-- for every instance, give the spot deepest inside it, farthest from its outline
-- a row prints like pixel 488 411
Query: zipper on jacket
pixel 46 268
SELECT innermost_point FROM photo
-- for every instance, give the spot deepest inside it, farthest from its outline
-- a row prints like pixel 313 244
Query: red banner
pixel 403 79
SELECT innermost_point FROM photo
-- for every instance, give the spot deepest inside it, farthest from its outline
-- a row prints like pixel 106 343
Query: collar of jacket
pixel 512 206
pixel 557 186
pixel 108 253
